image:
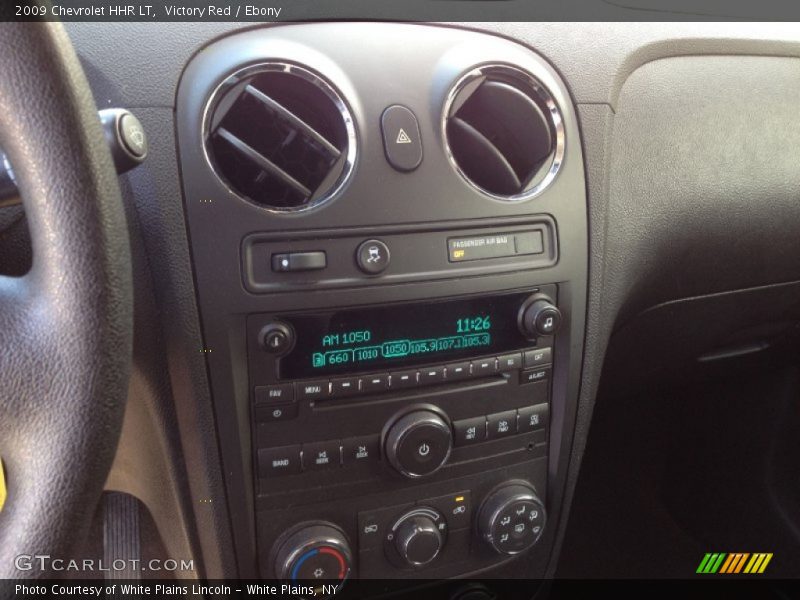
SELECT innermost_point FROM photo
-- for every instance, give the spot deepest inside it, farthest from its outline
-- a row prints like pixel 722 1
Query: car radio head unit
pixel 386 337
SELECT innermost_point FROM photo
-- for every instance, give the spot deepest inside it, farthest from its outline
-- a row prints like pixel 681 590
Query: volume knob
pixel 418 443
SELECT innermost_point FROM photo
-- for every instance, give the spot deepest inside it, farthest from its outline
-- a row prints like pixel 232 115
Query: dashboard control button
pixel 509 362
pixel 417 538
pixel 277 412
pixel 274 462
pixel 484 366
pixel 403 379
pixel 317 552
pixel 373 257
pixel 276 338
pixel 512 519
pixel 501 424
pixel 319 456
pixel 401 138
pixel 533 417
pixel 361 450
pixel 418 443
pixel 379 382
pixel 344 386
pixel 274 394
pixel 299 261
pixel 456 508
pixel 537 357
pixel 431 375
pixel 539 316
pixel 456 371
pixel 533 376
pixel 313 390
pixel 469 431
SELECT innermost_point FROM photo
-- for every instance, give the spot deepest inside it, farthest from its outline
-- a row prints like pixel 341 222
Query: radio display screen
pixel 395 336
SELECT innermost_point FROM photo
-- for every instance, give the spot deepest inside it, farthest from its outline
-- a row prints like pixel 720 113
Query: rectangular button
pixel 274 394
pixel 344 386
pixel 299 261
pixel 403 379
pixel 312 390
pixel 361 450
pixel 279 412
pixel 529 242
pixel 431 375
pixel 456 508
pixel 274 462
pixel 537 356
pixel 533 417
pixel 484 366
pixel 533 376
pixel 321 455
pixel 509 362
pixel 501 424
pixel 456 371
pixel 470 431
pixel 379 382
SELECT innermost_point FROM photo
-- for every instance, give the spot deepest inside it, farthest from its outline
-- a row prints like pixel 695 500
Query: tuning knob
pixel 512 519
pixel 418 443
pixel 539 316
pixel 417 538
pixel 315 553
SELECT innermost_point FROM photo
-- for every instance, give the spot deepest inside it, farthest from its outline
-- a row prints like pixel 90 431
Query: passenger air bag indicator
pixel 494 245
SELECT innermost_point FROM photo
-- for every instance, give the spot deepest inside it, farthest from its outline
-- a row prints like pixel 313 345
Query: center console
pixel 389 244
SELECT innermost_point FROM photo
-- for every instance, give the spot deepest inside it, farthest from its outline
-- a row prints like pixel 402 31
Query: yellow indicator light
pixel 458 253
pixel 459 498
pixel 2 486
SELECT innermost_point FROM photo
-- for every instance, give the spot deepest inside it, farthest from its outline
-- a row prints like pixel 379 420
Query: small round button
pixel 276 338
pixel 373 257
pixel 539 316
pixel 132 135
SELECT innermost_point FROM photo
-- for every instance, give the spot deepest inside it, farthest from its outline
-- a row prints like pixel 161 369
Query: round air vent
pixel 504 132
pixel 279 135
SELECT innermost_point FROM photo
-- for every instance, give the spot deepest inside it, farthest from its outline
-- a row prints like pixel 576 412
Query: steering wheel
pixel 66 326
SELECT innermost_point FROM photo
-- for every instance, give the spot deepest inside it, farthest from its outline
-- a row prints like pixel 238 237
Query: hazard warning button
pixel 401 139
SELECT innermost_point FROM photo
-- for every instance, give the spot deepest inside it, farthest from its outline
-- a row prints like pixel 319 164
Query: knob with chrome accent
pixel 416 538
pixel 512 519
pixel 539 316
pixel 313 552
pixel 418 443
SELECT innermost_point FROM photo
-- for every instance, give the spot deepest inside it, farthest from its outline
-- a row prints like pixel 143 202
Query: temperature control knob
pixel 418 443
pixel 512 519
pixel 539 316
pixel 417 538
pixel 315 553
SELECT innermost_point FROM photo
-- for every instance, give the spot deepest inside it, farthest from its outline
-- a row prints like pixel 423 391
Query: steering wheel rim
pixel 66 326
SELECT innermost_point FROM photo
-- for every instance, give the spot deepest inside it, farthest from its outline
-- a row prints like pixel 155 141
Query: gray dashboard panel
pixel 629 241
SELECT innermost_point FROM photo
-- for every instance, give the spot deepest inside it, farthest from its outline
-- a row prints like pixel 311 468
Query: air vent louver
pixel 504 132
pixel 280 136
